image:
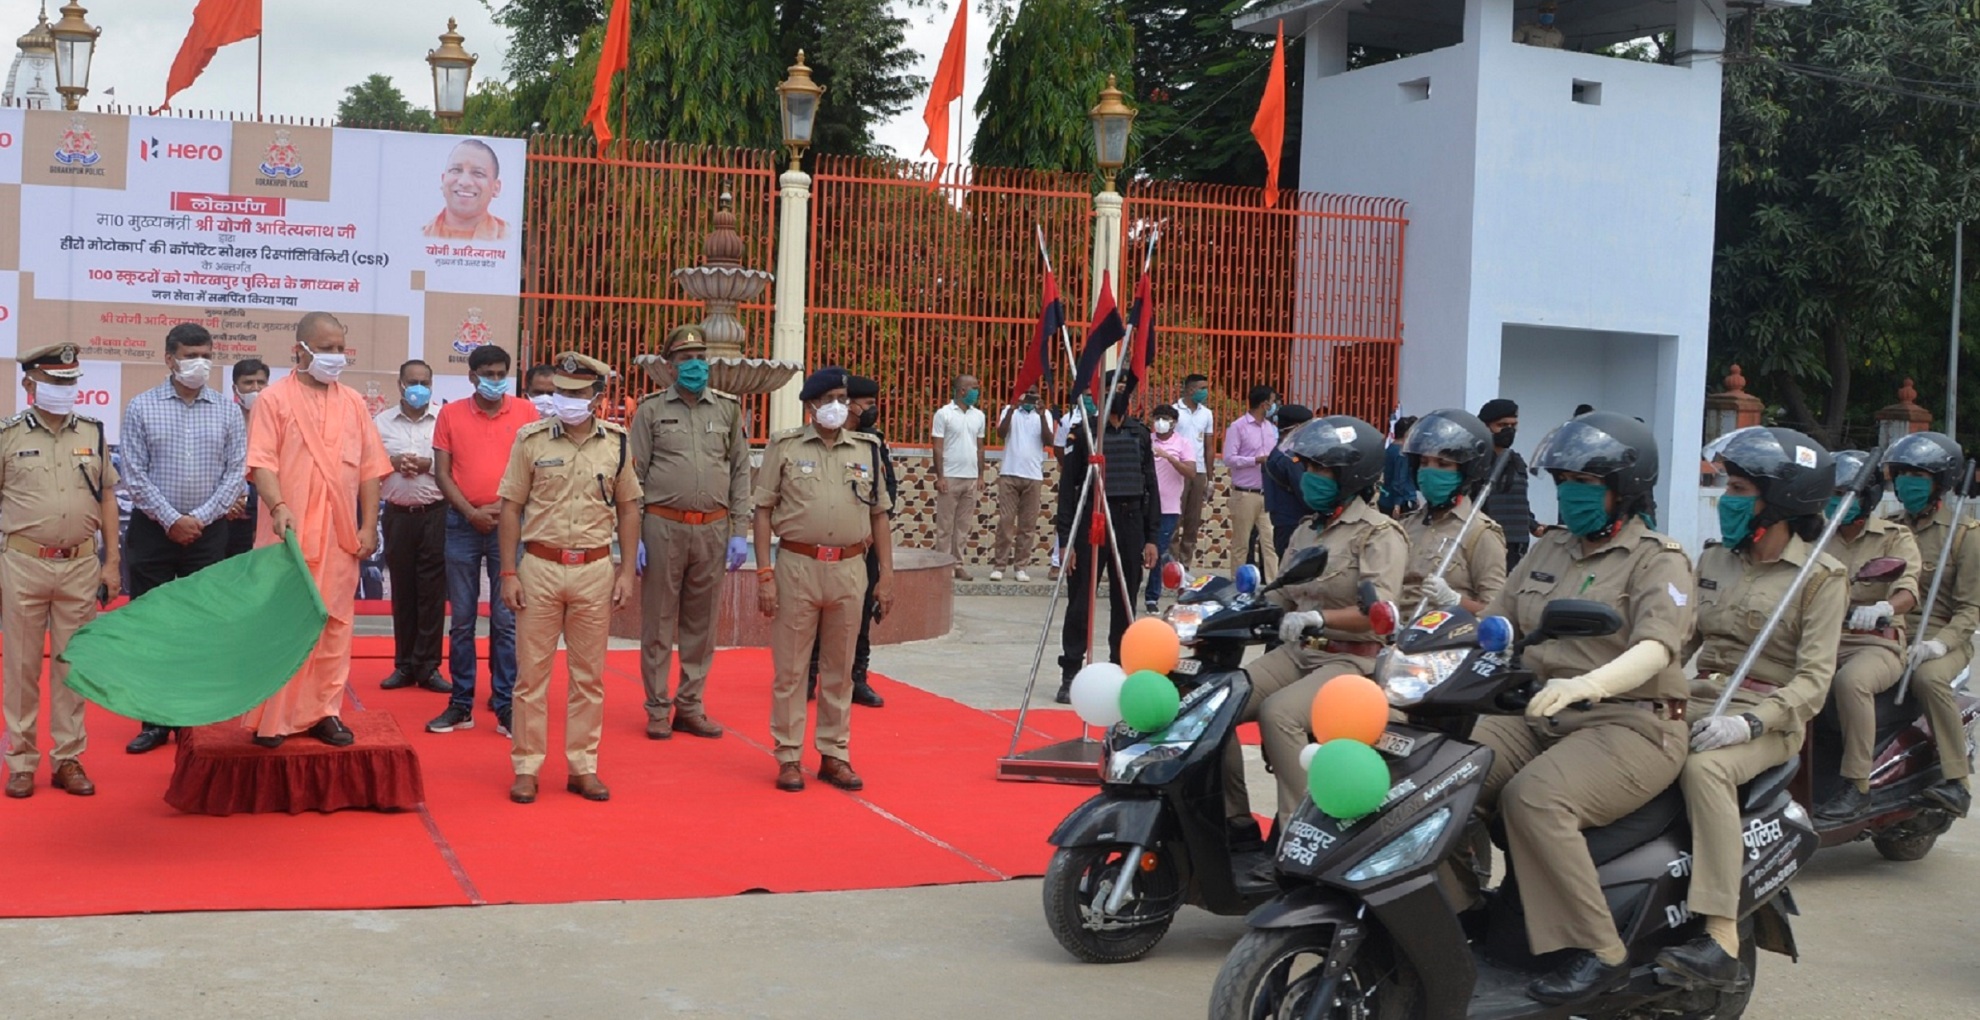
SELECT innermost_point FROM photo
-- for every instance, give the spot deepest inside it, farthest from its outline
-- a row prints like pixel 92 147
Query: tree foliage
pixel 1049 59
pixel 376 102
pixel 1199 82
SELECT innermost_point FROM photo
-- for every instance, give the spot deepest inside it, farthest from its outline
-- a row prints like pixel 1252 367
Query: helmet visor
pixel 1435 436
pixel 1582 447
pixel 1321 442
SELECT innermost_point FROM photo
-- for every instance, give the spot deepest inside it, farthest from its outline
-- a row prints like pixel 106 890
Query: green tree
pixel 376 102
pixel 1198 85
pixel 1049 59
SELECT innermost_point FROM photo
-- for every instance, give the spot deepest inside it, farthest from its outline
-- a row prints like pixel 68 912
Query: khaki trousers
pixel 1862 673
pixel 955 516
pixel 1711 797
pixel 42 599
pixel 1196 493
pixel 1283 683
pixel 574 601
pixel 1017 520
pixel 1931 684
pixel 821 601
pixel 1248 512
pixel 1552 778
pixel 679 602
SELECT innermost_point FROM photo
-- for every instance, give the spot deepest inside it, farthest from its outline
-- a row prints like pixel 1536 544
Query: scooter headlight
pixel 1186 618
pixel 1406 679
pixel 1404 851
pixel 1169 743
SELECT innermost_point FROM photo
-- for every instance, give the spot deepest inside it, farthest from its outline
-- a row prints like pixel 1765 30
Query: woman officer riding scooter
pixel 1770 520
pixel 1450 455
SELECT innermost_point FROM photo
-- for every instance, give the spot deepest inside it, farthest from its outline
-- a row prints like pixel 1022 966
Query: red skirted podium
pixel 220 771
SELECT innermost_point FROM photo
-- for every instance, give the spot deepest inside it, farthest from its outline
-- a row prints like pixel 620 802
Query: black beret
pixel 1292 414
pixel 860 386
pixel 823 381
pixel 1496 408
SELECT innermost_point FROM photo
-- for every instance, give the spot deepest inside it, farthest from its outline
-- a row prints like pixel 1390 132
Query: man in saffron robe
pixel 316 461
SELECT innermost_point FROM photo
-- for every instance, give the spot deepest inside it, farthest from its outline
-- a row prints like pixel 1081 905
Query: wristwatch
pixel 1753 725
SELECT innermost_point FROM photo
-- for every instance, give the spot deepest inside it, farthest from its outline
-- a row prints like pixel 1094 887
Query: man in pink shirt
pixel 1247 443
pixel 1175 465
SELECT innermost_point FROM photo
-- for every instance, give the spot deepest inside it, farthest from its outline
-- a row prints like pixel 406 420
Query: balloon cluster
pixel 1345 775
pixel 1137 690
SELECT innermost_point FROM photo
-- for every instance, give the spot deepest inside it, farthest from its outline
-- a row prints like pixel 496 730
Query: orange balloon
pixel 1350 707
pixel 1150 644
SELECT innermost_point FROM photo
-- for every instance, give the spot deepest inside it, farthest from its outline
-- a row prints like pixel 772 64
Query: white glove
pixel 1440 593
pixel 1870 617
pixel 1561 692
pixel 1927 650
pixel 1720 731
pixel 1292 624
pixel 1626 672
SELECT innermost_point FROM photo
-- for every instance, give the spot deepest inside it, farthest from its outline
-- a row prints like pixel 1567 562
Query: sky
pixel 312 52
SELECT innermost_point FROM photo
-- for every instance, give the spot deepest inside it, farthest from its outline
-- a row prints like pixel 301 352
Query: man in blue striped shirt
pixel 184 453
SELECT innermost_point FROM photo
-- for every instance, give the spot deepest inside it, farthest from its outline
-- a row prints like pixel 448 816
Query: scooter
pixel 1155 837
pixel 1902 825
pixel 1361 928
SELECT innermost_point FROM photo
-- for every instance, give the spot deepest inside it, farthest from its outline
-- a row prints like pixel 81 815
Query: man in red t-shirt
pixel 471 444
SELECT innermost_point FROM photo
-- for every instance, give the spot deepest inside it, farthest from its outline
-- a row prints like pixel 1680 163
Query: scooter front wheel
pixel 1274 973
pixel 1078 882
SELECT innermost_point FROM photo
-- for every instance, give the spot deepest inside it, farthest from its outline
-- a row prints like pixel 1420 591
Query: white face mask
pixel 193 372
pixel 831 415
pixel 55 399
pixel 545 405
pixel 247 399
pixel 325 367
pixel 570 410
pixel 1163 425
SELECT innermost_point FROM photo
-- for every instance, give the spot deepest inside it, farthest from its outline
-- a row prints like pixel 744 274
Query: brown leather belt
pixel 1663 708
pixel 825 553
pixel 415 508
pixel 686 516
pixel 1364 649
pixel 48 552
pixel 568 557
pixel 1755 685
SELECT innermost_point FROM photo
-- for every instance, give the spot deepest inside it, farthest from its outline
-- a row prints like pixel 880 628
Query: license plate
pixel 1189 667
pixel 1390 743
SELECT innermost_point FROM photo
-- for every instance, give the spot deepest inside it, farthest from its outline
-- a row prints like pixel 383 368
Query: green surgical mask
pixel 1735 519
pixel 1439 485
pixel 1202 394
pixel 1584 507
pixel 1320 492
pixel 1856 510
pixel 970 396
pixel 1915 492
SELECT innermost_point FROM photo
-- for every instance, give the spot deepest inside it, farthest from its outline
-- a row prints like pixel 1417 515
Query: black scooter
pixel 1361 928
pixel 1155 837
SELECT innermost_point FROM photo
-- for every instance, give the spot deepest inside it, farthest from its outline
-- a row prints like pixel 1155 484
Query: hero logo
pixel 93 398
pixel 153 149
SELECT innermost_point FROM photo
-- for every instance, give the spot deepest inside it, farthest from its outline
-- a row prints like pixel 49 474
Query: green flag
pixel 206 647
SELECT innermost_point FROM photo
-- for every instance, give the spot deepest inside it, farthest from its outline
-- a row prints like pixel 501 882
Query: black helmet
pixel 1616 447
pixel 1851 467
pixel 1351 447
pixel 1931 452
pixel 1793 472
pixel 1456 436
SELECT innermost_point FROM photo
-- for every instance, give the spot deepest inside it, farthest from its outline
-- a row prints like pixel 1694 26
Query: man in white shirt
pixel 415 525
pixel 959 431
pixel 1026 430
pixel 1195 422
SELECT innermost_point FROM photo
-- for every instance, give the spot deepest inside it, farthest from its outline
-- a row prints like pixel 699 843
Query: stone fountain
pixel 721 283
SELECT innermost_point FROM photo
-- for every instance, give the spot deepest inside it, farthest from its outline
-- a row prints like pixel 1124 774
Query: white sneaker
pixel 503 731
pixel 997 575
pixel 1023 578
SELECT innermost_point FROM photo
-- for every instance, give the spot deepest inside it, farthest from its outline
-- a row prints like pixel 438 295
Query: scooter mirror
pixel 1300 567
pixel 1576 618
pixel 1883 568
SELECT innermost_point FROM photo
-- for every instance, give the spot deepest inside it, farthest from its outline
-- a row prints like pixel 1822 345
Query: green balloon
pixel 1347 779
pixel 1149 701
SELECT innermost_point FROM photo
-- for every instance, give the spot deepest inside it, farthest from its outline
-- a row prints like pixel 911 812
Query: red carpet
pixel 687 818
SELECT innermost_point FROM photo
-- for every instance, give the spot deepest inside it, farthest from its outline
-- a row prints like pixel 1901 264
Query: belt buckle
pixel 830 553
pixel 570 557
pixel 696 517
pixel 54 553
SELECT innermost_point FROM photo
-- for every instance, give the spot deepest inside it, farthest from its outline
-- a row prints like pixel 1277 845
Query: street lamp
pixel 1111 121
pixel 452 66
pixel 75 44
pixel 798 95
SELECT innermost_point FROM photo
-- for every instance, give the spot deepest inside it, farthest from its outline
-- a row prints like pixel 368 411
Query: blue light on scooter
pixel 1495 633
pixel 1247 578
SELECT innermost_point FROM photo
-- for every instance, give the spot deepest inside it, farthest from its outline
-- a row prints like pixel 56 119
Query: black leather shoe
pixel 1582 977
pixel 436 683
pixel 331 730
pixel 864 694
pixel 1846 805
pixel 1951 795
pixel 270 743
pixel 1064 697
pixel 1702 961
pixel 150 738
pixel 399 678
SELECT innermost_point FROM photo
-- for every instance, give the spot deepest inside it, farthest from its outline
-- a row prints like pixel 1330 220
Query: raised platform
pixel 221 771
pixel 924 605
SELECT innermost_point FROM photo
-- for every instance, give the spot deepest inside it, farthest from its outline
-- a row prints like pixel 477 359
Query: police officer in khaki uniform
pixel 56 504
pixel 693 461
pixel 820 492
pixel 1870 659
pixel 1924 468
pixel 569 489
pixel 1450 455
pixel 1341 460
pixel 1570 766
pixel 1777 485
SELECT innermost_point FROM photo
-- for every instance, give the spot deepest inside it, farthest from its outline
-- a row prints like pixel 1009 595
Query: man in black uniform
pixel 1132 502
pixel 863 398
pixel 1506 503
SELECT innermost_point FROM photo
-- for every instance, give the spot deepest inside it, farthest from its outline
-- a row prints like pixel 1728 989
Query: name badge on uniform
pixel 1708 584
pixel 28 453
pixel 550 462
pixel 859 469
pixel 670 421
pixel 85 452
pixel 1543 578
pixel 807 466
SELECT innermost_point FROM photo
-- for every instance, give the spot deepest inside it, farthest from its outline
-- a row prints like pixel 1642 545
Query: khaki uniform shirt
pixel 693 455
pixel 45 479
pixel 822 493
pixel 1478 571
pixel 569 492
pixel 1363 544
pixel 1735 597
pixel 1956 612
pixel 1644 575
pixel 1880 538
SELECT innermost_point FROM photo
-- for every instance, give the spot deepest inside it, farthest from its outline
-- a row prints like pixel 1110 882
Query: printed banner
pixel 114 229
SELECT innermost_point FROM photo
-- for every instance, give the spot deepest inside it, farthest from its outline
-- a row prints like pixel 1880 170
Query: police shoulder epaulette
pixel 1670 543
pixel 87 418
pixel 1491 525
pixel 536 427
pixel 651 395
pixel 863 437
pixel 610 426
pixel 791 433
pixel 713 392
pixel 13 419
pixel 1714 543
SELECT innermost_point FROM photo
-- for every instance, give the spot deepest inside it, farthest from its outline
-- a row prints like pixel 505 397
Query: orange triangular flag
pixel 611 60
pixel 1269 126
pixel 947 87
pixel 215 24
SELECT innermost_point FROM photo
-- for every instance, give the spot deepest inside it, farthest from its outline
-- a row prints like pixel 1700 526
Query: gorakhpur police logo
pixel 66 354
pixel 474 332
pixel 569 364
pixel 281 159
pixel 78 146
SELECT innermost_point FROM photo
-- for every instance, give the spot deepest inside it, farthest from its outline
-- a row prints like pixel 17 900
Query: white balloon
pixel 1096 693
pixel 1306 755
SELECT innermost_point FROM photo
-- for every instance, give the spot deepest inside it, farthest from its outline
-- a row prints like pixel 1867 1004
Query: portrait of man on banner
pixel 469 184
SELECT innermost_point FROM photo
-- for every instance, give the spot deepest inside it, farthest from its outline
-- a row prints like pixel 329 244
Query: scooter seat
pixel 1640 826
pixel 1756 792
